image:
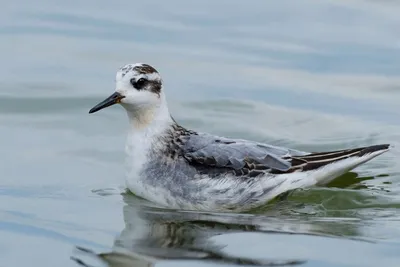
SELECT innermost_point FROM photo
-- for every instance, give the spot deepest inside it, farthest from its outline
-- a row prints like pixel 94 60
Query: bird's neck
pixel 149 123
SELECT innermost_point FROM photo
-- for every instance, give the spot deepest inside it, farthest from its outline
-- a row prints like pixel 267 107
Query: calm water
pixel 310 75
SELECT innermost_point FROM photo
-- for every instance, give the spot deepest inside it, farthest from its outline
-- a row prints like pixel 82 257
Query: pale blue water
pixel 310 75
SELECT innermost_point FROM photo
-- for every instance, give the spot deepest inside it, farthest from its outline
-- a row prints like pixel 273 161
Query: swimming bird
pixel 180 168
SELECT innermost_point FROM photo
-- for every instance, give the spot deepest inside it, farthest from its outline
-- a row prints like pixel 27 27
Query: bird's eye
pixel 139 84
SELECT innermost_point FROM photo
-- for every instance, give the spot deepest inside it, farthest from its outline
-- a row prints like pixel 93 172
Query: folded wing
pixel 237 154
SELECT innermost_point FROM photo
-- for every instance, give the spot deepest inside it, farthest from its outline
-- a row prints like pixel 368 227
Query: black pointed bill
pixel 109 101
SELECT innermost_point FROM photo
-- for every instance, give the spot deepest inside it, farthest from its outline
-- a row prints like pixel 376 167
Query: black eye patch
pixel 139 84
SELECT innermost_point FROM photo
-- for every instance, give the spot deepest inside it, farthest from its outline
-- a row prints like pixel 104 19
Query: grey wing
pixel 236 153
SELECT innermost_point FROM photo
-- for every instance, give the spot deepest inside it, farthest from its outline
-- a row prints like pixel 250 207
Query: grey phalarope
pixel 180 168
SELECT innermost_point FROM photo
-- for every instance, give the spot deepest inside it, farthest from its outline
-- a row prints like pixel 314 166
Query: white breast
pixel 137 148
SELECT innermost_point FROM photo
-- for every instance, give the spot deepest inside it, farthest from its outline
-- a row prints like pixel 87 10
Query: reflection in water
pixel 152 234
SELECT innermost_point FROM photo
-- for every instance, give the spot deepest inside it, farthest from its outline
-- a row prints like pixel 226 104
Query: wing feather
pixel 237 154
pixel 253 158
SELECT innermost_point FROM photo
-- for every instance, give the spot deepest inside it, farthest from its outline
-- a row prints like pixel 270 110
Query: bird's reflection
pixel 152 234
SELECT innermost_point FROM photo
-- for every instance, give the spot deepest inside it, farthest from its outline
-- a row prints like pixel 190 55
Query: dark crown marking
pixel 141 69
pixel 145 69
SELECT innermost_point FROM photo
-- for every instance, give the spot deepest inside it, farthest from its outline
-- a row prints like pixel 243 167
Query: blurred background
pixel 311 75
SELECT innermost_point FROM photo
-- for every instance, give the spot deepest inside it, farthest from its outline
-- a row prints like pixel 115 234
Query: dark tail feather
pixel 318 159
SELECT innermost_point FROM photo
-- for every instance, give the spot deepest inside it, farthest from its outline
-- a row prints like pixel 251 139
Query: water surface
pixel 312 75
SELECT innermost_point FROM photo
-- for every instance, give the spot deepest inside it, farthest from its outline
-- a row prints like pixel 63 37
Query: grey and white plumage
pixel 181 168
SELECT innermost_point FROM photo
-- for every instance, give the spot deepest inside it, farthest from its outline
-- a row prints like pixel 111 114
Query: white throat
pixel 148 122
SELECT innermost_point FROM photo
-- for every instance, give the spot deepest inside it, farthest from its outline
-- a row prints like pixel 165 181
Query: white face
pixel 141 86
pixel 138 87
